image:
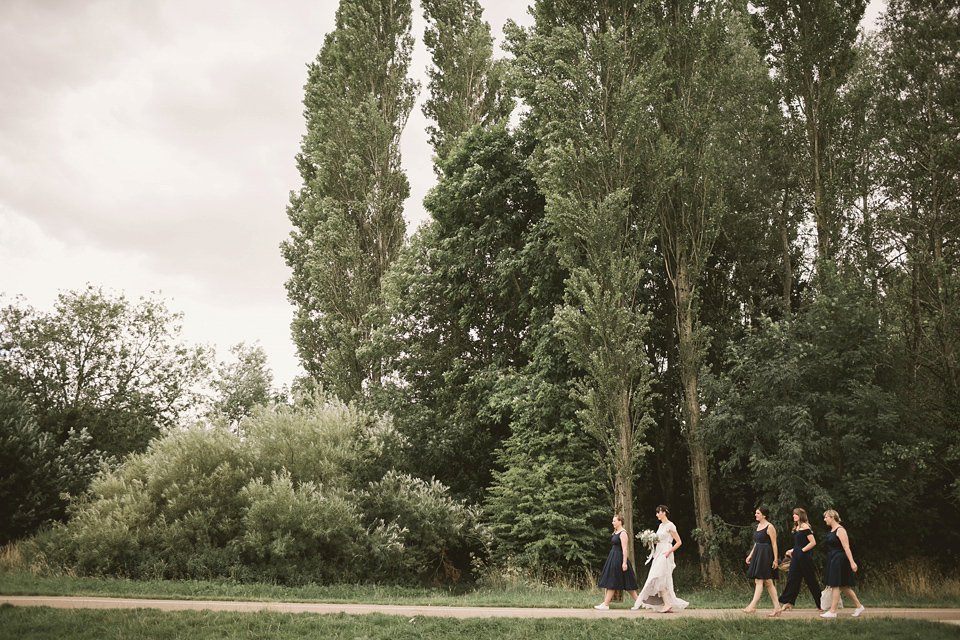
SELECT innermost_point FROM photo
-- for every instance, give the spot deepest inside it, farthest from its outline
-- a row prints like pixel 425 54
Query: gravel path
pixel 79 602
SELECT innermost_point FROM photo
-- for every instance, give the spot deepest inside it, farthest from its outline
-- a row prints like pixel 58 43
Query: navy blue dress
pixel 613 576
pixel 801 569
pixel 761 564
pixel 838 572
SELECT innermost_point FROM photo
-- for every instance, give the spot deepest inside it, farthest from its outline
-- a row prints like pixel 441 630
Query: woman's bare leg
pixel 757 592
pixel 772 590
pixel 835 602
pixel 847 591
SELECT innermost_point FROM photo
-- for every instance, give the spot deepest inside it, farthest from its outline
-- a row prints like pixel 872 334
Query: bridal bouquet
pixel 648 537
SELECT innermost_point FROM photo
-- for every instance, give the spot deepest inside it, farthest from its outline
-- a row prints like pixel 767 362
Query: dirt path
pixel 943 615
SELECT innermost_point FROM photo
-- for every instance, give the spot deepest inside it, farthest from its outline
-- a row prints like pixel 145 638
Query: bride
pixel 658 590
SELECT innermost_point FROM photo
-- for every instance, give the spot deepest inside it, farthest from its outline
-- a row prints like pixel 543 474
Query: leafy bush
pixel 35 469
pixel 274 500
pixel 435 534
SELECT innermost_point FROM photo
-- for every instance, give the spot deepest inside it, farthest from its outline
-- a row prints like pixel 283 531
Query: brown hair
pixel 618 517
pixel 665 509
pixel 802 520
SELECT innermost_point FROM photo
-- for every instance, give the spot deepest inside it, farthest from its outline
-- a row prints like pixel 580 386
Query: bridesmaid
pixel 801 567
pixel 618 572
pixel 763 560
pixel 841 568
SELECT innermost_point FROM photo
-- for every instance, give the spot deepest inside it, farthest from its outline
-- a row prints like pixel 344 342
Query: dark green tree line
pixel 93 380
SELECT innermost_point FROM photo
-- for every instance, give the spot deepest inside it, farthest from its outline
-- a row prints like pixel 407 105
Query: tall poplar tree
pixel 810 45
pixel 466 83
pixel 347 216
pixel 708 109
pixel 920 111
pixel 584 72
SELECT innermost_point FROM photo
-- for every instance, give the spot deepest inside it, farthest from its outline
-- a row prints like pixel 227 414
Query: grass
pixel 909 585
pixel 515 595
pixel 41 623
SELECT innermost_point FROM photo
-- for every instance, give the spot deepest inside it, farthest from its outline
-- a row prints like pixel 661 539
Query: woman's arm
pixel 845 541
pixel 750 555
pixel 773 543
pixel 676 538
pixel 623 545
pixel 811 544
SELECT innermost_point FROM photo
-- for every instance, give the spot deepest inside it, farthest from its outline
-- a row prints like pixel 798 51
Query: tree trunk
pixel 623 479
pixel 785 245
pixel 664 452
pixel 689 375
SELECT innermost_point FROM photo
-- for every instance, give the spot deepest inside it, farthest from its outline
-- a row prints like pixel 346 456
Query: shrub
pixel 437 533
pixel 273 501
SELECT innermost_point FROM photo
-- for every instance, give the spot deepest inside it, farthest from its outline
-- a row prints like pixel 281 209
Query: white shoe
pixel 828 614
pixel 604 607
pixel 858 611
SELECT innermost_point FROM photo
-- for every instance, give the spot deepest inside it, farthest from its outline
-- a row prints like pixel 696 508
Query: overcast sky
pixel 148 146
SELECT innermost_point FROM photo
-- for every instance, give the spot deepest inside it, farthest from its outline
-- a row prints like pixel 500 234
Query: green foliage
pixel 100 362
pixel 457 304
pixel 300 533
pixel 584 71
pixel 467 86
pixel 36 469
pixel 545 506
pixel 805 410
pixel 547 499
pixel 810 46
pixel 918 108
pixel 347 217
pixel 242 384
pixel 417 521
pixel 273 502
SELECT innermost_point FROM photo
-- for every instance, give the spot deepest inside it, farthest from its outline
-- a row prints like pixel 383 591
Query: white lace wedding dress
pixel 657 592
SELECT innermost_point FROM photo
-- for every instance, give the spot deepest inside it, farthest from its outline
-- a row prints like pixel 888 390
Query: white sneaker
pixel 858 611
pixel 828 614
pixel 602 607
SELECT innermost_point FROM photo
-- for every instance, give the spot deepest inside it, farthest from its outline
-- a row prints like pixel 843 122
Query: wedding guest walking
pixel 658 589
pixel 801 564
pixel 618 572
pixel 763 561
pixel 841 569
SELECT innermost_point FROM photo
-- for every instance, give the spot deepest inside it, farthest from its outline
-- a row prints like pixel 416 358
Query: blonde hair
pixel 833 514
pixel 802 518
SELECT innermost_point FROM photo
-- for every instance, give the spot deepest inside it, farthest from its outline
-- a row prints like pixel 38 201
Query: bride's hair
pixel 802 520
pixel 665 509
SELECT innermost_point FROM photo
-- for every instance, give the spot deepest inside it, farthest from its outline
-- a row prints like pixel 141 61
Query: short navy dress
pixel 613 576
pixel 761 564
pixel 838 572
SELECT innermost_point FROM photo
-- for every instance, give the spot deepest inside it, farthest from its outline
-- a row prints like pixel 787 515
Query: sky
pixel 148 147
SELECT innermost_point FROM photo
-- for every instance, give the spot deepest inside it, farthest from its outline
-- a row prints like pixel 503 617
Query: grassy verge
pixel 518 595
pixel 40 623
pixel 912 583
